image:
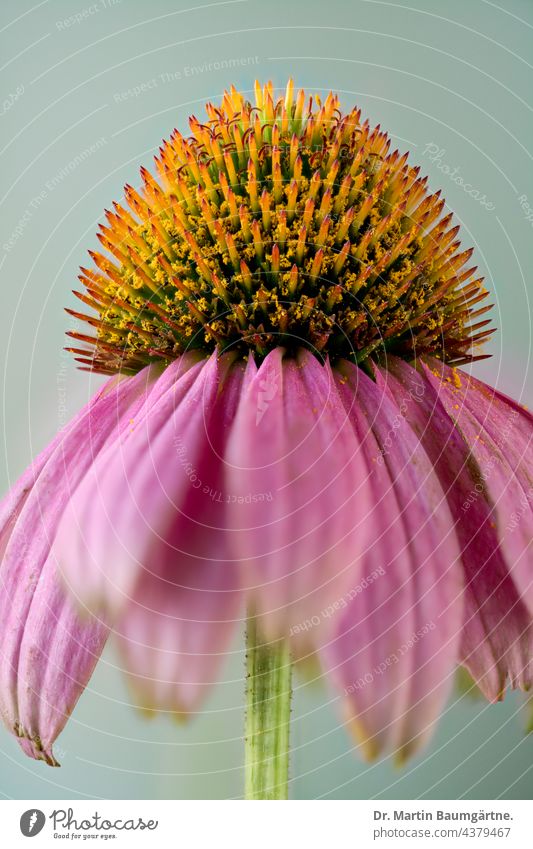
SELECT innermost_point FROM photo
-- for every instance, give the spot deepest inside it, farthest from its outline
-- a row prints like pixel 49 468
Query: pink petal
pixel 395 644
pixel 57 655
pixel 13 501
pixel 497 634
pixel 299 492
pixel 124 499
pixel 36 618
pixel 175 630
pixel 499 436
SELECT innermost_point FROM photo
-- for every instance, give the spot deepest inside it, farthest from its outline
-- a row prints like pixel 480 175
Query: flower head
pixel 284 223
pixel 290 433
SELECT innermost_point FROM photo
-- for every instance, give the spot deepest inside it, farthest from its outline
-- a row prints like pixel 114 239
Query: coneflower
pixel 283 309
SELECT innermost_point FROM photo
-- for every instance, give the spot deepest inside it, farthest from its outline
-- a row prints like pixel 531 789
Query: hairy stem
pixel 268 710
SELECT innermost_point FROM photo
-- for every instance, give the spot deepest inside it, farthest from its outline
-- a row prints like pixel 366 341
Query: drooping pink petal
pixel 12 505
pixel 500 438
pixel 497 634
pixel 57 655
pixel 126 496
pixel 13 501
pixel 38 621
pixel 394 648
pixel 175 630
pixel 299 492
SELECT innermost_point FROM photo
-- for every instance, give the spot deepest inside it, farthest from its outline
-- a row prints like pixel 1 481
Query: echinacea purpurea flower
pixel 283 310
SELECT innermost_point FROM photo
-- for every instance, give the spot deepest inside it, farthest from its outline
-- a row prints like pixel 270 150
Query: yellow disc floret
pixel 280 223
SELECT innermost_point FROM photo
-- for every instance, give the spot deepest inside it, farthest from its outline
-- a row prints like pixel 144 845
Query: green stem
pixel 268 712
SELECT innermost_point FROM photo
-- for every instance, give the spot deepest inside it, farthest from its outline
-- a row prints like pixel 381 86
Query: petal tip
pixel 31 745
pixel 368 744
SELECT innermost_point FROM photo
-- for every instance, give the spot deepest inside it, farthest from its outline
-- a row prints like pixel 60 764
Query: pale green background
pixel 456 74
